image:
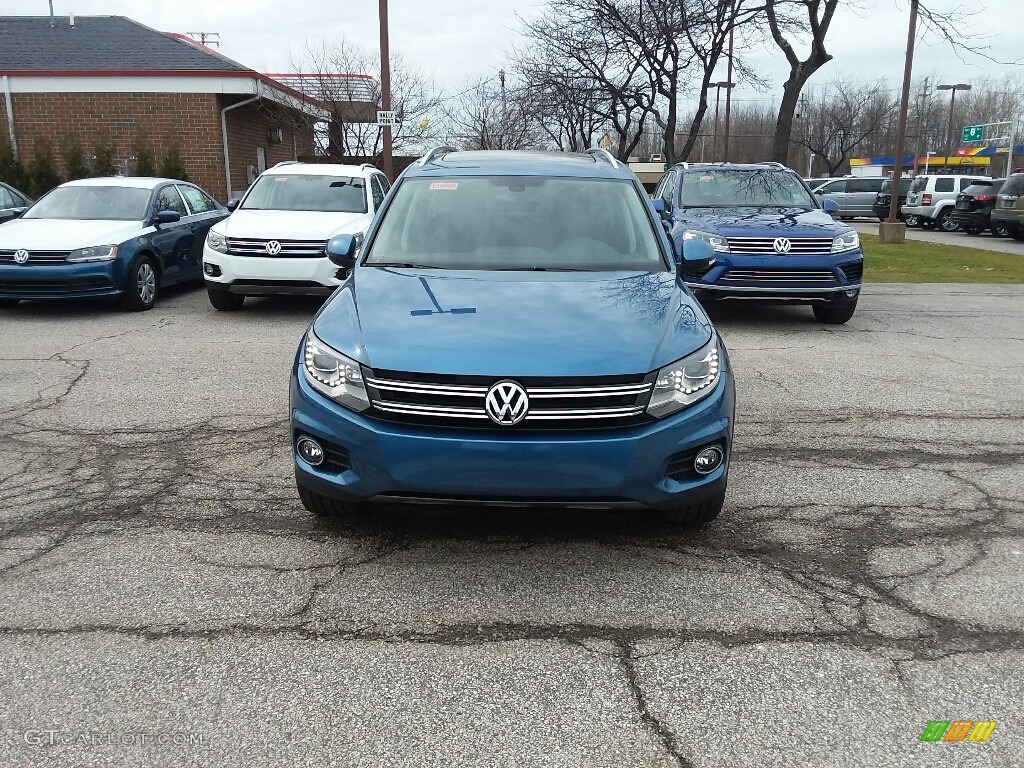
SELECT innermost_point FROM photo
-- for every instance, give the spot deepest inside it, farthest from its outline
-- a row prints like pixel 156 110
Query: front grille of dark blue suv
pixel 558 403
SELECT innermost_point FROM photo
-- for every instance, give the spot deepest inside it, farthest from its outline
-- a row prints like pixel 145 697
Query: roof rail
pixel 434 153
pixel 371 166
pixel 773 164
pixel 604 154
pixel 288 162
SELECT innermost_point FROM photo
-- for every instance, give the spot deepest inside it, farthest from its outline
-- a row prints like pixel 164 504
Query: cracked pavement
pixel 158 573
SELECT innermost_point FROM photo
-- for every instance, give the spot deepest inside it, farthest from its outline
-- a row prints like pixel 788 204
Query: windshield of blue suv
pixel 518 223
pixel 306 192
pixel 736 188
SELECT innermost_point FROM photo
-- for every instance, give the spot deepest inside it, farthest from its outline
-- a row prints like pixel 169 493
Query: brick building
pixel 110 80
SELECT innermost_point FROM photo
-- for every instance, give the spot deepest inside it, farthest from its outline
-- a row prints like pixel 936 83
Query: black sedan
pixel 974 206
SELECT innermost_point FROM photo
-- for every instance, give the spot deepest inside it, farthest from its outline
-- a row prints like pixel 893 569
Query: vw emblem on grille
pixel 21 256
pixel 782 245
pixel 273 247
pixel 507 403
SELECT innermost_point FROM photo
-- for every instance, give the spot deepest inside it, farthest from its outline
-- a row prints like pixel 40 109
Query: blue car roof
pixel 518 163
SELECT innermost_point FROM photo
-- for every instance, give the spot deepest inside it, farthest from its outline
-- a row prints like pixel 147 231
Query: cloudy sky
pixel 457 40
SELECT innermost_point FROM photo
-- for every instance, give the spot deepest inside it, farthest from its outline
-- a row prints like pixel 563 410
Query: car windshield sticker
pixel 445 185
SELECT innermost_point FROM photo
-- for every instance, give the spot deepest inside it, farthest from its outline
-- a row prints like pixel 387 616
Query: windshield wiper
pixel 539 269
pixel 402 265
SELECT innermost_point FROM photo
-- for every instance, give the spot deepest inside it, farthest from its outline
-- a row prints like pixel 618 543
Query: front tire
pixel 946 222
pixel 223 300
pixel 973 230
pixel 696 514
pixel 1000 230
pixel 927 223
pixel 143 285
pixel 1017 233
pixel 834 312
pixel 912 220
pixel 327 508
pixel 8 303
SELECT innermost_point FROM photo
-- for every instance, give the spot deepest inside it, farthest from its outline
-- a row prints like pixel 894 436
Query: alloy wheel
pixel 145 282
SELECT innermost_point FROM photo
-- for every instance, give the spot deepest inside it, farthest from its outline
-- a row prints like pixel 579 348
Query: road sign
pixel 386 118
pixel 974 133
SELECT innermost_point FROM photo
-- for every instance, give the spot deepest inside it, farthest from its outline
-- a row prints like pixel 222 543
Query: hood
pixel 513 323
pixel 292 225
pixel 761 222
pixel 66 234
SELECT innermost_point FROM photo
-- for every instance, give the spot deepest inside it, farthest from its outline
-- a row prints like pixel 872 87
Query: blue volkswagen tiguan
pixel 772 240
pixel 514 330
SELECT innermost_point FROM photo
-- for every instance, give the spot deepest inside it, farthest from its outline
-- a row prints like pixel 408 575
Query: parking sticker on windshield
pixel 445 185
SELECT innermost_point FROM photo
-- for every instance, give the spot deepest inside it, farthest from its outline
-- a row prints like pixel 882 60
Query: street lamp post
pixel 952 88
pixel 928 160
pixel 718 96
pixel 385 91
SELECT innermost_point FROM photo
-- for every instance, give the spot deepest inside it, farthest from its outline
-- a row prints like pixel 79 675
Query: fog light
pixel 708 460
pixel 310 451
pixel 211 269
pixel 851 294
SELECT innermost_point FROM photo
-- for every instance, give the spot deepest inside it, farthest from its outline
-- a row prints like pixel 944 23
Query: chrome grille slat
pixel 439 400
pixel 798 245
pixel 245 246
pixel 39 257
pixel 781 276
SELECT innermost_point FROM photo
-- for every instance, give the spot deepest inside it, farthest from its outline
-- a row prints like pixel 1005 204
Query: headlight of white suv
pixel 686 381
pixel 848 242
pixel 95 253
pixel 217 242
pixel 330 372
pixel 717 242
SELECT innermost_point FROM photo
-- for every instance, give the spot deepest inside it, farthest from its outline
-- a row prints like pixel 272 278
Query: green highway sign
pixel 974 133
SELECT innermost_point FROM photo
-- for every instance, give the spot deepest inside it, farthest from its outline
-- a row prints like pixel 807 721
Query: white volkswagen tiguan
pixel 276 238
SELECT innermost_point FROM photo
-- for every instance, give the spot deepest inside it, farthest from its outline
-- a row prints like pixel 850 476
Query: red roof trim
pixel 129 72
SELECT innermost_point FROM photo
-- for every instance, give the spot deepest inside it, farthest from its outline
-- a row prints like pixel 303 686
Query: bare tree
pixel 345 77
pixel 490 115
pixel 843 117
pixel 784 18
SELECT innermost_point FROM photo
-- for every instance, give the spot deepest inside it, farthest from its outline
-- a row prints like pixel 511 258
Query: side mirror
pixel 697 257
pixel 232 203
pixel 18 212
pixel 829 206
pixel 659 205
pixel 341 250
pixel 166 217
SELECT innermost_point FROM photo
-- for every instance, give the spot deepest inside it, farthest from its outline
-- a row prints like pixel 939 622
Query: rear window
pixel 945 185
pixel 1014 185
pixel 920 184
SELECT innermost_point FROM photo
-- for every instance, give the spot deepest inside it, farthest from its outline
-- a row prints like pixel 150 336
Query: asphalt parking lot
pixel 158 574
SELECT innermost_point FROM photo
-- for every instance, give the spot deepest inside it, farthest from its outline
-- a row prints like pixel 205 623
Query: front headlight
pixel 718 242
pixel 95 253
pixel 330 372
pixel 217 242
pixel 848 242
pixel 685 382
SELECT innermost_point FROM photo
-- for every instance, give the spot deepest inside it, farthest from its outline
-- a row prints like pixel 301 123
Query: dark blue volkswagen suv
pixel 772 239
pixel 514 330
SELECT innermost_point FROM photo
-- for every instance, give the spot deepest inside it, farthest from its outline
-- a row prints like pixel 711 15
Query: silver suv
pixel 932 199
pixel 854 195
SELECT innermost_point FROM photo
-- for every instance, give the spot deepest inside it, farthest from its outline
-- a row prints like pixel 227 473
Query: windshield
pixel 307 192
pixel 714 188
pixel 517 223
pixel 99 202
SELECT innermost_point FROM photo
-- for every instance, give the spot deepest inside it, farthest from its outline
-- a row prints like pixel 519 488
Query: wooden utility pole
pixel 385 91
pixel 728 92
pixel 901 127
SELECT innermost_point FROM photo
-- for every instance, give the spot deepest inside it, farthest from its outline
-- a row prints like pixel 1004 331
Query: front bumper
pixel 587 467
pixel 63 280
pixel 813 278
pixel 258 275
